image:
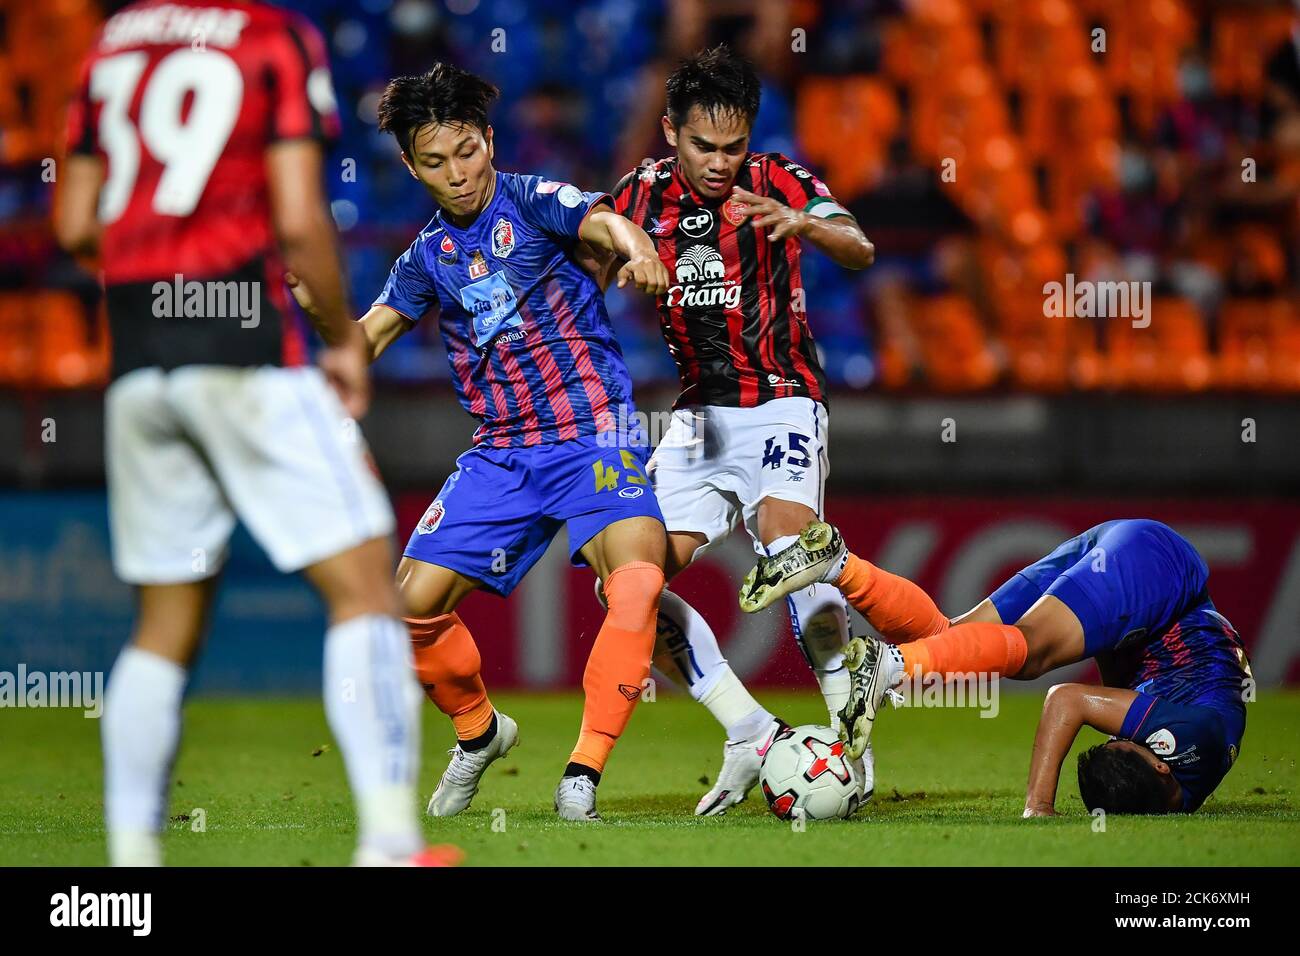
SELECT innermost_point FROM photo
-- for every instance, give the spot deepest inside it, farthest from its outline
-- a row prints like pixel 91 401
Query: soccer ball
pixel 806 773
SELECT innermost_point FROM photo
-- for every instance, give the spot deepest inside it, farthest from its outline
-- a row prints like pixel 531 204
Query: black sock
pixel 582 770
pixel 483 739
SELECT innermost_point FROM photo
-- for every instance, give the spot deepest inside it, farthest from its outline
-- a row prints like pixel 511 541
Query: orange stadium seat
pixel 17 340
pixel 955 348
pixel 73 348
pixel 1170 354
pixel 1259 345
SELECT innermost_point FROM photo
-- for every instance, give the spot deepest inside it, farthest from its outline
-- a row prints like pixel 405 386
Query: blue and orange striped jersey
pixel 532 352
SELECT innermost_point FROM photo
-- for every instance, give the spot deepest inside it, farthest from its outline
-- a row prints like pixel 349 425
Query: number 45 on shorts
pixel 797 456
pixel 608 477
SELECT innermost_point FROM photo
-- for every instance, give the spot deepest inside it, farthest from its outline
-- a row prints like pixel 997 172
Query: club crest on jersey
pixel 432 518
pixel 446 251
pixel 478 266
pixel 503 238
pixel 733 210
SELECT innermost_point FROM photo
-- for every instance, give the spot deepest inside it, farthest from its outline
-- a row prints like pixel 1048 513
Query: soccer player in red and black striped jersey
pixel 194 171
pixel 749 436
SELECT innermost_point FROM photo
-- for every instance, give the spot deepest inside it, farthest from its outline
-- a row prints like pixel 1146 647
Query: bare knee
pixel 428 590
pixel 682 546
pixel 172 619
pixel 357 581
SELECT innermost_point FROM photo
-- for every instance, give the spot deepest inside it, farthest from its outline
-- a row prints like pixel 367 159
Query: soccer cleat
pixel 443 855
pixel 575 799
pixel 741 760
pixel 817 556
pixel 460 780
pixel 871 676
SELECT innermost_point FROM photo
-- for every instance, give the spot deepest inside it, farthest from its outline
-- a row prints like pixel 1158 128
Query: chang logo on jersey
pixel 697 224
pixel 492 307
pixel 701 281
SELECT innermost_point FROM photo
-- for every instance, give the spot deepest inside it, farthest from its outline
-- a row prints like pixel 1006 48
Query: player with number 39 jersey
pixel 194 174
pixel 182 102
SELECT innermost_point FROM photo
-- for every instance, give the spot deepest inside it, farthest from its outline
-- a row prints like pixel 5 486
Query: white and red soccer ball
pixel 806 773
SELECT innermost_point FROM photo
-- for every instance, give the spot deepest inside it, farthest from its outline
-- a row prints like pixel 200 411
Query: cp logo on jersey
pixel 503 238
pixel 697 224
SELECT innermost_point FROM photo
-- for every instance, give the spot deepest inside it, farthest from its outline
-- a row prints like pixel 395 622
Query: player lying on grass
pixel 748 444
pixel 1132 594
pixel 534 359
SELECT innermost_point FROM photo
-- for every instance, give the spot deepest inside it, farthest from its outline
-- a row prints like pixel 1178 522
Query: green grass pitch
pixel 949 789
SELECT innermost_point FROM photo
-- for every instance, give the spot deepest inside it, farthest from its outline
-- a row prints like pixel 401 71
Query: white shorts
pixel 716 463
pixel 190 450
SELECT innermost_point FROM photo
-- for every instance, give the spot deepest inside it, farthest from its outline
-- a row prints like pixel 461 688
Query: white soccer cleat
pixel 460 780
pixel 818 556
pixel 575 799
pixel 873 670
pixel 741 760
pixel 431 856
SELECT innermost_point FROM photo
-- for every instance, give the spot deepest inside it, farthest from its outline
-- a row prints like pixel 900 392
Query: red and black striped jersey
pixel 735 318
pixel 181 100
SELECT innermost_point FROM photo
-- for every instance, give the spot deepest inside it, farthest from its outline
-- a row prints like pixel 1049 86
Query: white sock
pixel 687 650
pixel 372 702
pixel 819 618
pixel 140 727
pixel 895 669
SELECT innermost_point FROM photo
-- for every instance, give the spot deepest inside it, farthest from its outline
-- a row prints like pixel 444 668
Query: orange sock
pixel 448 664
pixel 980 648
pixel 894 606
pixel 620 660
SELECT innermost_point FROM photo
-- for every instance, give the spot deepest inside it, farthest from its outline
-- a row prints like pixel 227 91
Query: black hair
pixel 1117 780
pixel 718 81
pixel 445 94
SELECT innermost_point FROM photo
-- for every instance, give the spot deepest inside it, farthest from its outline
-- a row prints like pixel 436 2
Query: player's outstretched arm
pixel 1068 708
pixel 76 220
pixel 840 237
pixel 305 232
pixel 381 326
pixel 606 229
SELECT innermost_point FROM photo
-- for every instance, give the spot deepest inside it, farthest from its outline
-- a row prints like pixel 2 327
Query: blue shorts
pixel 496 516
pixel 1125 580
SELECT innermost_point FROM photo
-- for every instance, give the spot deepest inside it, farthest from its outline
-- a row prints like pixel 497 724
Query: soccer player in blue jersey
pixel 1132 594
pixel 534 359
